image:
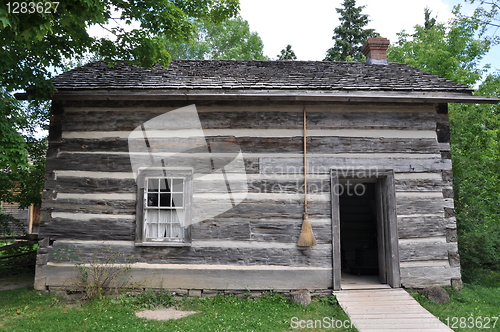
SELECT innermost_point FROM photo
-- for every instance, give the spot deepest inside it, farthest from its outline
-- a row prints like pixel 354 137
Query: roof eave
pixel 272 95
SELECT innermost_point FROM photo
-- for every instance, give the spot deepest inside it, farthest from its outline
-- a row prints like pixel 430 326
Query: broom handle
pixel 305 160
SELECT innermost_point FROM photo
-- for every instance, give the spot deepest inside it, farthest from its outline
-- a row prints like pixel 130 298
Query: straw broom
pixel 306 236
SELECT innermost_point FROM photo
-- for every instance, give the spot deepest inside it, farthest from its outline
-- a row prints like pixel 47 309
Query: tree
pixel 37 38
pixel 475 133
pixel 350 35
pixel 451 51
pixel 454 51
pixel 232 39
pixel 430 22
pixel 488 13
pixel 287 54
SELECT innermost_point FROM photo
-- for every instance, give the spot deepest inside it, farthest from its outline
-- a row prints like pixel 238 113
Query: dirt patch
pixel 164 314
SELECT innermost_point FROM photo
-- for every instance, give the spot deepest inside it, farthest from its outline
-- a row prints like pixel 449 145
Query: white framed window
pixel 163 207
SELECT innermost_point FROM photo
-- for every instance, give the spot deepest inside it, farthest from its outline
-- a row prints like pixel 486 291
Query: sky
pixel 308 25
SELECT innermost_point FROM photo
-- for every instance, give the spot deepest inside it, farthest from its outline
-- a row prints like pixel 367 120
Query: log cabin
pixel 203 174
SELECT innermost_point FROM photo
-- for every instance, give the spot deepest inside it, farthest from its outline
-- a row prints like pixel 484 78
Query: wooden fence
pixel 18 256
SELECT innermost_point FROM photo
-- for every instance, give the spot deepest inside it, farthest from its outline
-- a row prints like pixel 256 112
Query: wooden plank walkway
pixel 350 281
pixel 377 310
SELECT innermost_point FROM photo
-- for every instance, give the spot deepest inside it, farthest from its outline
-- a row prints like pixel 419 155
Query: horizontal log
pixel 91 185
pixel 221 229
pixel 95 119
pixel 270 183
pixel 424 276
pixel 365 166
pixel 315 144
pixel 273 185
pixel 197 132
pixel 94 229
pixel 420 185
pixel 280 165
pixel 201 277
pixel 422 206
pixel 121 162
pixel 284 231
pixel 82 251
pixel 111 207
pixel 267 210
pixel 422 251
pixel 421 227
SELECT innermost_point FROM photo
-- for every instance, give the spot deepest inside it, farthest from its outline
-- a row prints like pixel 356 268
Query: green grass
pixel 475 304
pixel 28 310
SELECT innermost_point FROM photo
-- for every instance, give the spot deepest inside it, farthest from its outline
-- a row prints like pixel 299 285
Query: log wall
pixel 90 192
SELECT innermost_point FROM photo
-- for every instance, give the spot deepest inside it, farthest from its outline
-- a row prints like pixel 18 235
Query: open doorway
pixel 364 226
pixel 358 229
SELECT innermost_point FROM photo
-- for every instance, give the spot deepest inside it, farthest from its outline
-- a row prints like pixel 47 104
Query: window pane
pixel 176 230
pixel 165 185
pixel 178 200
pixel 152 226
pixel 176 226
pixel 152 200
pixel 163 216
pixel 178 185
pixel 152 185
pixel 162 230
pixel 175 217
pixel 165 200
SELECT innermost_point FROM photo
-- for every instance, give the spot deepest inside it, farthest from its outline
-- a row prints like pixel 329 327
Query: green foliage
pixel 10 226
pixel 13 147
pixel 22 161
pixel 147 300
pixel 102 274
pixel 351 34
pixel 454 51
pixel 33 42
pixel 476 301
pixel 36 44
pixel 488 12
pixel 28 310
pixel 287 54
pixel 231 39
pixel 451 51
pixel 475 134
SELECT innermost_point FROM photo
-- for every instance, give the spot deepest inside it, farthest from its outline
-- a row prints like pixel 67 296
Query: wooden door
pixel 381 235
pixel 336 255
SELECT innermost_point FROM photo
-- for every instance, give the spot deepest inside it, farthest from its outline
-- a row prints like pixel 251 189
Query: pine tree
pixel 287 54
pixel 350 35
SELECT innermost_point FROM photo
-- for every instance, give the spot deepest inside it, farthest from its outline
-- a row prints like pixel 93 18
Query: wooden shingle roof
pixel 299 80
pixel 233 74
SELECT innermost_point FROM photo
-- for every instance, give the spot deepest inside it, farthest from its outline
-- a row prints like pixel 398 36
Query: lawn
pixel 474 308
pixel 28 310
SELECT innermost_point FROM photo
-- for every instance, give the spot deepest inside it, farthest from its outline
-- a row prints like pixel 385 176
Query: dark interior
pixel 358 229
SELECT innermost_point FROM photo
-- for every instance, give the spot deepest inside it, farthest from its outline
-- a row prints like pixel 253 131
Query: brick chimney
pixel 375 50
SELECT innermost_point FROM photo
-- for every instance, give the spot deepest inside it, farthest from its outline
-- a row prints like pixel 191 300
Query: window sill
pixel 162 244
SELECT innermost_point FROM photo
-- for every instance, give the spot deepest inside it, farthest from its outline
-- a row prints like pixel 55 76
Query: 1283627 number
pixel 472 322
pixel 32 7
